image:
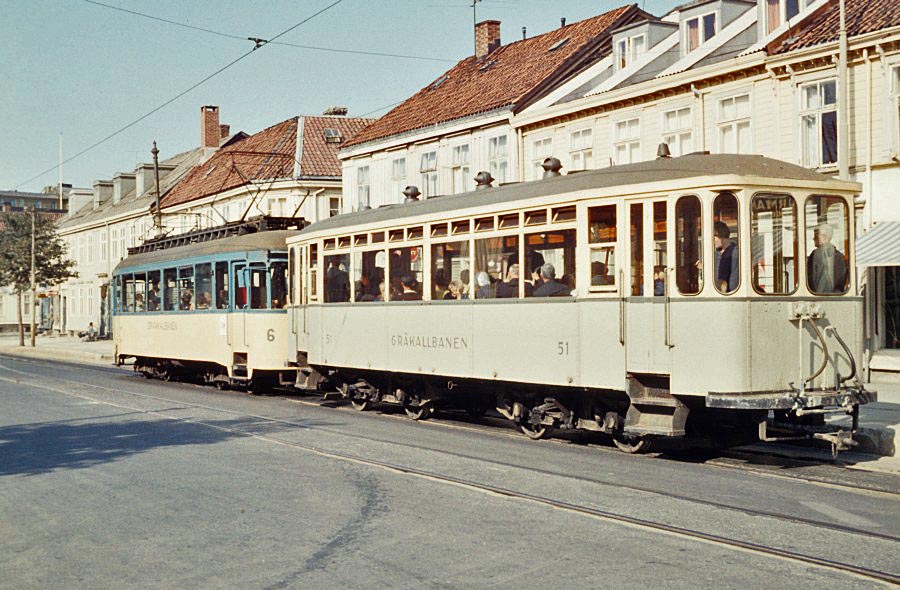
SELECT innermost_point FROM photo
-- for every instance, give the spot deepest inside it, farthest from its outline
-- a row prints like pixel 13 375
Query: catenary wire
pixel 177 96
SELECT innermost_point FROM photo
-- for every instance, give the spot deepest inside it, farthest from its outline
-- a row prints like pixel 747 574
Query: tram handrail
pixel 621 306
pixel 847 351
pixel 824 351
pixel 666 307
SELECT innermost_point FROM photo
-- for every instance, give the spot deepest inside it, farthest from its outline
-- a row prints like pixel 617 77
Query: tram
pixel 698 296
pixel 208 306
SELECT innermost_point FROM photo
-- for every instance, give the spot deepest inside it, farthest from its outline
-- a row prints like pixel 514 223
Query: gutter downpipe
pixel 520 154
pixel 866 277
pixel 843 111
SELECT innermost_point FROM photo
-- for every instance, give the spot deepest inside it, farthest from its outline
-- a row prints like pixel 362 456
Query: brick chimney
pixel 224 131
pixel 210 134
pixel 487 37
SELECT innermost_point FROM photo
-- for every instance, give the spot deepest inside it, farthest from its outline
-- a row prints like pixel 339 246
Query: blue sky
pixel 72 67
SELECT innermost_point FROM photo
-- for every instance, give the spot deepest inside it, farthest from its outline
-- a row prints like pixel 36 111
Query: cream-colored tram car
pixel 689 296
pixel 211 311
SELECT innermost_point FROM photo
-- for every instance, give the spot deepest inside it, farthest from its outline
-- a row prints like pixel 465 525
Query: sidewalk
pixel 879 423
pixel 64 348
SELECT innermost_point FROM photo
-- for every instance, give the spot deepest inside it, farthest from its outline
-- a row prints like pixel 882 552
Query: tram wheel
pixel 633 445
pixel 361 404
pixel 534 431
pixel 419 411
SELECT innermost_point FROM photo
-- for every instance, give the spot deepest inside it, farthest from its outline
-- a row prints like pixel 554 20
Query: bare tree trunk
pixel 21 325
pixel 34 308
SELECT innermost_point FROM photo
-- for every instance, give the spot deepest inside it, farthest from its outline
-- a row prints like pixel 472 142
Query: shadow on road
pixel 33 449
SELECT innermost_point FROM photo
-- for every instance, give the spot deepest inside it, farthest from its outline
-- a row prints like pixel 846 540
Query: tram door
pixel 236 320
pixel 646 290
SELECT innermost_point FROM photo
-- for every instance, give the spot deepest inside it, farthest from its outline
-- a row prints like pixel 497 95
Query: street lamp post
pixel 33 281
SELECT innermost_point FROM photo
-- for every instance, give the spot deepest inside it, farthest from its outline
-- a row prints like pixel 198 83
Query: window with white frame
pixel 734 125
pixel 82 253
pixel 497 158
pixel 818 123
pixel 103 245
pixel 629 49
pixel 627 144
pixel 90 248
pixel 895 108
pixel 581 150
pixel 398 177
pixel 428 174
pixel 278 206
pixel 677 131
pixel 362 187
pixel 699 30
pixel 460 169
pixel 540 151
pixel 334 206
pixel 780 11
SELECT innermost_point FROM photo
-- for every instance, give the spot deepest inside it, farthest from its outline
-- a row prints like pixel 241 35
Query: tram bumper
pixel 799 415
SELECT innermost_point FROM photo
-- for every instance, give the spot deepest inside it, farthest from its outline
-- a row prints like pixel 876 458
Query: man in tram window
pixel 153 298
pixel 509 289
pixel 408 283
pixel 826 265
pixel 483 284
pixel 550 287
pixel 727 276
pixel 600 274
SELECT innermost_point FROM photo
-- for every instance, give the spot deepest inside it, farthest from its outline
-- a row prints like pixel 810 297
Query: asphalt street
pixel 111 481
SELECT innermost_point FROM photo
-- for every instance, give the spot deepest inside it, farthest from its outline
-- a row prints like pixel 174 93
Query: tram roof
pixel 264 240
pixel 653 171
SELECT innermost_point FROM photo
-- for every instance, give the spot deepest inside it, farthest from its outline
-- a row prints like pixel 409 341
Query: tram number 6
pixel 270 335
pixel 562 348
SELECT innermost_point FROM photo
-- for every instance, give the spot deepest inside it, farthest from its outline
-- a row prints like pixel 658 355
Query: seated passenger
pixel 381 292
pixel 139 302
pixel 187 299
pixel 364 287
pixel 153 298
pixel 509 289
pixel 483 281
pixel 452 291
pixel 223 299
pixel 204 299
pixel 550 287
pixel 726 259
pixel 659 280
pixel 409 292
pixel 826 265
pixel 464 284
pixel 600 274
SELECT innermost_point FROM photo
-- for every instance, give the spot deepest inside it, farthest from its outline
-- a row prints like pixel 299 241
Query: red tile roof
pixel 862 16
pixel 504 78
pixel 319 158
pixel 269 154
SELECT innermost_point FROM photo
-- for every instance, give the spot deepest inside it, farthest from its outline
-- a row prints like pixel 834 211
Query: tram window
pixel 494 257
pixel 405 266
pixel 551 253
pixel 314 271
pixel 828 244
pixel 186 288
pixel 222 285
pixel 688 240
pixel 773 244
pixel 292 269
pixel 726 243
pixel 118 294
pixel 660 248
pixel 204 285
pixel 129 293
pixel 240 288
pixel 602 240
pixel 368 276
pixel 170 289
pixel 636 234
pixel 450 271
pixel 153 290
pixel 337 278
pixel 278 283
pixel 140 291
pixel 259 297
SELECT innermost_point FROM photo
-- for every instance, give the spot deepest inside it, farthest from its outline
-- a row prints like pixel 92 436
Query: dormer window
pixel 629 49
pixel 780 11
pixel 698 30
pixel 332 135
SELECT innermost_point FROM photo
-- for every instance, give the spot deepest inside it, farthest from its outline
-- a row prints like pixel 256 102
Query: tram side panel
pixel 265 336
pixel 602 352
pixel 189 337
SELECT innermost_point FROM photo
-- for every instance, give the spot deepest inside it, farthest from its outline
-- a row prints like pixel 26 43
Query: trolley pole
pixel 33 277
pixel 158 216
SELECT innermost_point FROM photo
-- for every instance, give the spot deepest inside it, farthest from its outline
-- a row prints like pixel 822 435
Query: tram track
pixel 510 493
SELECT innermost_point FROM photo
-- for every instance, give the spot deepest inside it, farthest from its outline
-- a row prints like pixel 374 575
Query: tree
pixel 51 263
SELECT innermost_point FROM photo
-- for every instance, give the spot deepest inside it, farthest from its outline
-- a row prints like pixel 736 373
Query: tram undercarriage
pixel 208 373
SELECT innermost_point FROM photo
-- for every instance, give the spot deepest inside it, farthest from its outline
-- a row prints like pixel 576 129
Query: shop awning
pixel 880 246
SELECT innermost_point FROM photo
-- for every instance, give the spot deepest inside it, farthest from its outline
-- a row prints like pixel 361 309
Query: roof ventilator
pixel 551 167
pixel 663 151
pixel 483 180
pixel 411 193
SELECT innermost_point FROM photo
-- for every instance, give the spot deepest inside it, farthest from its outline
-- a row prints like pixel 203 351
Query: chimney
pixel 338 111
pixel 144 180
pixel 562 22
pixel 487 37
pixel 103 190
pixel 209 127
pixel 123 183
pixel 224 131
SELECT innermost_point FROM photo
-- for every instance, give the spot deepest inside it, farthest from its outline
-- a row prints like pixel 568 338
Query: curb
pixel 94 358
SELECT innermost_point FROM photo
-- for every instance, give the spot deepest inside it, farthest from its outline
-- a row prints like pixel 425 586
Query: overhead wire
pixel 177 96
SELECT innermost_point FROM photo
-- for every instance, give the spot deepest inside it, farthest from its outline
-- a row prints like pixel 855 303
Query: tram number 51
pixel 562 348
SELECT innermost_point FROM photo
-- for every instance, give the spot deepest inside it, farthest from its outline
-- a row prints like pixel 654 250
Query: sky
pixel 75 68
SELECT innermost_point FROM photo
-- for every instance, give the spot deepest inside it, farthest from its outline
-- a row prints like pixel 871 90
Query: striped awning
pixel 880 246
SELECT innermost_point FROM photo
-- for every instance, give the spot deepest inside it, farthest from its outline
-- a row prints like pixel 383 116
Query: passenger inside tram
pixel 550 287
pixel 726 259
pixel 826 266
pixel 409 291
pixel 600 274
